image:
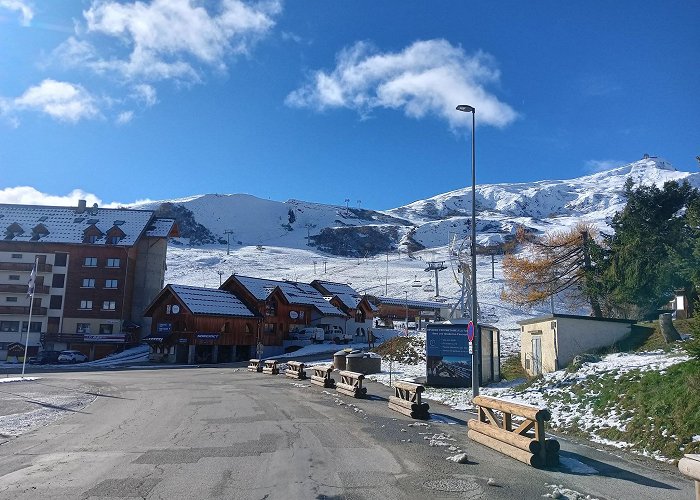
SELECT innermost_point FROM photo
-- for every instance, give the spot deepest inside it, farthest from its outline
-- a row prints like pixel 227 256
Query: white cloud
pixel 20 6
pixel 27 195
pixel 145 94
pixel 169 39
pixel 61 100
pixel 603 165
pixel 124 117
pixel 427 78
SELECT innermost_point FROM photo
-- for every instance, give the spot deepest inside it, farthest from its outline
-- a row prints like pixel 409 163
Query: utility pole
pixel 324 266
pixel 386 278
pixel 314 268
pixel 228 234
pixel 221 274
pixel 406 314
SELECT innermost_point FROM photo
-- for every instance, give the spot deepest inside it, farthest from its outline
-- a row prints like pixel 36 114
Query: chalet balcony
pixel 25 266
pixel 38 289
pixel 23 310
pixel 73 338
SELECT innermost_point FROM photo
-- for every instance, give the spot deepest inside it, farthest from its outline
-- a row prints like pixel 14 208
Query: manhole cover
pixel 457 485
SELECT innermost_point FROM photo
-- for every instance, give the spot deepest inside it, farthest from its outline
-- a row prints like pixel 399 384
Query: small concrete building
pixel 549 343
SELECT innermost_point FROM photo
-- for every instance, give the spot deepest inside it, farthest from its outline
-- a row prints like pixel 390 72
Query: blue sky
pixel 325 100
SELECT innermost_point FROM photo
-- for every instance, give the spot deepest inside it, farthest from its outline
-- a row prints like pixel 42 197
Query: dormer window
pixel 92 234
pixel 39 231
pixel 115 235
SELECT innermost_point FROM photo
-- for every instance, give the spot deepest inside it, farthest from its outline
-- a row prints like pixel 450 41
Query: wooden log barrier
pixel 351 384
pixel 690 466
pixel 525 442
pixel 407 400
pixel 295 370
pixel 255 365
pixel 322 376
pixel 270 367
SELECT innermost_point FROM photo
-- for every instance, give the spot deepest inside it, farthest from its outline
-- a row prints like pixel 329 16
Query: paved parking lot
pixel 228 433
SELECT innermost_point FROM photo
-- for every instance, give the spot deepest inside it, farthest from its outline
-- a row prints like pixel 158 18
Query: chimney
pixel 82 204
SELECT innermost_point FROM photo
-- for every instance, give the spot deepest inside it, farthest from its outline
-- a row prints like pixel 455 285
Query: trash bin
pixel 364 362
pixel 339 361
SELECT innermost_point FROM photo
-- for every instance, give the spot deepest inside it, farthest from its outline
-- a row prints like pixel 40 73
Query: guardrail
pixel 270 367
pixel 351 384
pixel 525 443
pixel 407 400
pixel 690 466
pixel 255 365
pixel 322 376
pixel 295 370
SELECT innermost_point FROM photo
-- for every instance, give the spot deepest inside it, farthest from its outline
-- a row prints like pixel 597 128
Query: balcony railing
pixel 37 311
pixel 24 266
pixel 92 338
pixel 7 288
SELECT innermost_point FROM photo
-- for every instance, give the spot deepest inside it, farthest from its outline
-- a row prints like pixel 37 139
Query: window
pixel 11 299
pixel 113 262
pixel 88 283
pixel 14 277
pixel 113 240
pixel 16 255
pixel 56 302
pixel 60 260
pixel 90 262
pixel 86 304
pixel 106 328
pixel 269 328
pixel 109 305
pixel 58 281
pixel 35 328
pixel 82 328
pixel 270 308
pixel 110 283
pixel 92 238
pixel 9 326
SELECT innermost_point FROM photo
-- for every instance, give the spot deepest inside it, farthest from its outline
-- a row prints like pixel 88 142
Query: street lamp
pixel 476 351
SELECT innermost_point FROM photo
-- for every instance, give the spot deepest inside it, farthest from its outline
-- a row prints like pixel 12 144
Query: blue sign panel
pixel 449 363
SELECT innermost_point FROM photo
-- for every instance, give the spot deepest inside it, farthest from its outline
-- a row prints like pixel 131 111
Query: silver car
pixel 72 357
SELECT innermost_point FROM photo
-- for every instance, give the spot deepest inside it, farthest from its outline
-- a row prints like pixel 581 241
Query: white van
pixel 335 334
pixel 309 333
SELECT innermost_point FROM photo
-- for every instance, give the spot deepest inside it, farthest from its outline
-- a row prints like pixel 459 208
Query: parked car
pixel 336 334
pixel 72 357
pixel 308 333
pixel 45 358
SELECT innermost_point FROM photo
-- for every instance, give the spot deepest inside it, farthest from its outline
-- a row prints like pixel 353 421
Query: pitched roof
pixel 160 228
pixel 423 304
pixel 345 293
pixel 295 293
pixel 211 301
pixel 43 224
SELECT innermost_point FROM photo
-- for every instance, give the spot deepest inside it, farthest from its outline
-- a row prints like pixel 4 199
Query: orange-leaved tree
pixel 547 265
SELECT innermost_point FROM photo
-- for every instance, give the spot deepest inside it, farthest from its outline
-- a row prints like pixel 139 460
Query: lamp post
pixel 476 351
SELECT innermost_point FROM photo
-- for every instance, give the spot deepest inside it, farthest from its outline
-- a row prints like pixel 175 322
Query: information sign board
pixel 449 363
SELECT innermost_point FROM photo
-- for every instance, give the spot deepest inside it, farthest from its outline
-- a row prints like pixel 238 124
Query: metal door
pixel 537 355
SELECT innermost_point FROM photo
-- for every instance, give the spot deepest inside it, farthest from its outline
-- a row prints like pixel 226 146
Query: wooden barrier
pixel 407 400
pixel 271 367
pixel 526 442
pixel 351 384
pixel 255 365
pixel 690 466
pixel 322 376
pixel 295 370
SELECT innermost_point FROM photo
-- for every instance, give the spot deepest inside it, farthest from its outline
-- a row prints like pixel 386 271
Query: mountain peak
pixel 648 161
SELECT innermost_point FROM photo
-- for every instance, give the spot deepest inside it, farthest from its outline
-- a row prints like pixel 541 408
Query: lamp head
pixel 466 108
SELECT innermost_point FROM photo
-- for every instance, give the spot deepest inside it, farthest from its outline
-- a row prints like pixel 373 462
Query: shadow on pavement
pixel 579 465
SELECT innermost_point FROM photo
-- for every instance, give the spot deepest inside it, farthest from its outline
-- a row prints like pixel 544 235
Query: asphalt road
pixel 228 433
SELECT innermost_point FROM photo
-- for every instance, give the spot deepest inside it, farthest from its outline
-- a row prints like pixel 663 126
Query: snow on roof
pixel 211 301
pixel 68 225
pixel 160 228
pixel 295 293
pixel 345 293
pixel 413 303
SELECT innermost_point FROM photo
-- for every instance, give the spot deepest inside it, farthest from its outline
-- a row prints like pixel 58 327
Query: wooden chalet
pixel 358 309
pixel 201 325
pixel 284 305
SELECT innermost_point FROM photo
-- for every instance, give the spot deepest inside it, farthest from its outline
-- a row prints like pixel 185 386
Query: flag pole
pixel 30 294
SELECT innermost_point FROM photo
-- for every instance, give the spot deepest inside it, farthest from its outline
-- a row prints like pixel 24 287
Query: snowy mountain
pixel 340 230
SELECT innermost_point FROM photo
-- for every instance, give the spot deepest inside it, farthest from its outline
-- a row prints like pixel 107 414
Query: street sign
pixel 470 331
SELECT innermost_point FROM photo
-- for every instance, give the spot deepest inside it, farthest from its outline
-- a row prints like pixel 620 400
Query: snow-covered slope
pixel 541 205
